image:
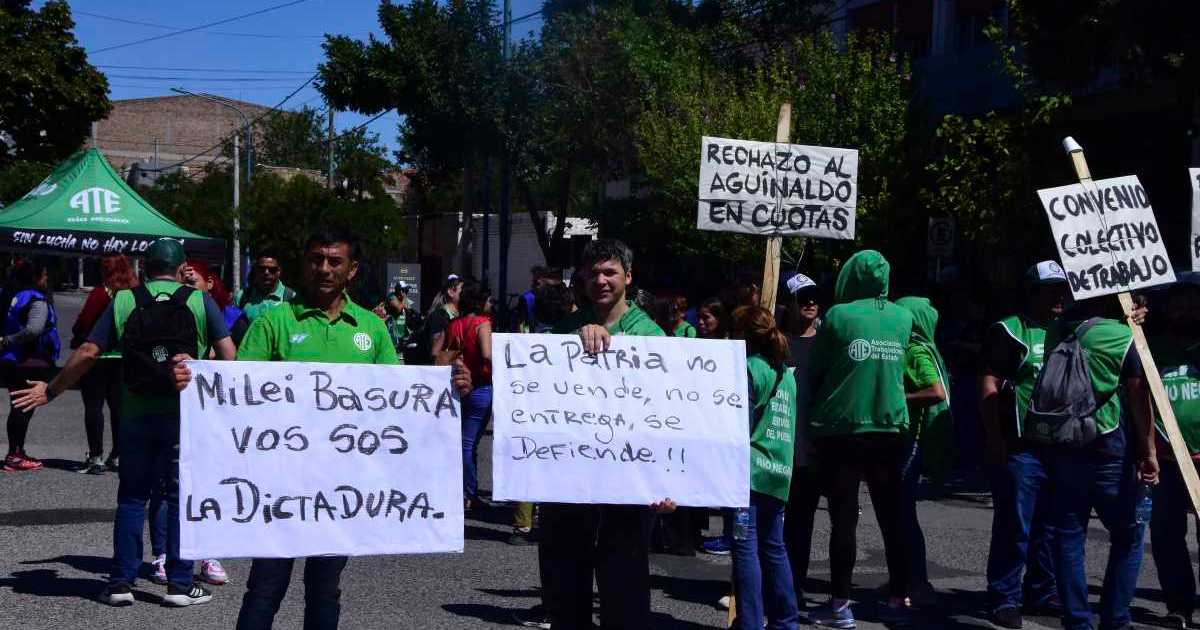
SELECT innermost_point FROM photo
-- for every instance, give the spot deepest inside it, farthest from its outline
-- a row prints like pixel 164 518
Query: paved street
pixel 55 543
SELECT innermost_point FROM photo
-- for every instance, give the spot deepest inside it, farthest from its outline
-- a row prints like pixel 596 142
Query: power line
pixel 161 88
pixel 136 77
pixel 175 69
pixel 222 33
pixel 197 28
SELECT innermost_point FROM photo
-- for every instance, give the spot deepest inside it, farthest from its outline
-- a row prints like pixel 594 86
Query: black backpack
pixel 1062 410
pixel 160 327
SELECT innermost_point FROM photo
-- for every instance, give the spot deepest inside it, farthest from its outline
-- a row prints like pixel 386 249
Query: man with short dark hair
pixel 610 540
pixel 149 422
pixel 266 289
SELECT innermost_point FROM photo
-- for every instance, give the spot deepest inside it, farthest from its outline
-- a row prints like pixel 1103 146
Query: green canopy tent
pixel 84 208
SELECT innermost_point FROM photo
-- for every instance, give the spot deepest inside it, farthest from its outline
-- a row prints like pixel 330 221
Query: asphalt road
pixel 55 545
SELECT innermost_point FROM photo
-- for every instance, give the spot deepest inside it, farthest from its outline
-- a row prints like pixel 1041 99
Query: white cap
pixel 452 277
pixel 798 282
pixel 1047 272
pixel 403 286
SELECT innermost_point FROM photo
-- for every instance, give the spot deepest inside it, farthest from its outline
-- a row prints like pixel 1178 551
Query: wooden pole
pixel 770 283
pixel 1159 393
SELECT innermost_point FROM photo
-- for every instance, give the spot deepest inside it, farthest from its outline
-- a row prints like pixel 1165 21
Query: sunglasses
pixel 270 270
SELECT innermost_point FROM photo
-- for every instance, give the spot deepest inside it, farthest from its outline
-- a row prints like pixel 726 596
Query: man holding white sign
pixel 324 326
pixel 579 539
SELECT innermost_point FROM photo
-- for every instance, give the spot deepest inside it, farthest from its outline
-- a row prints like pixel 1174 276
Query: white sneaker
pixel 158 570
pixel 180 598
pixel 116 595
pixel 212 572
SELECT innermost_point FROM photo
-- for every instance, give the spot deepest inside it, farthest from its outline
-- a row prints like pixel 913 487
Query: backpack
pixel 1062 410
pixel 159 327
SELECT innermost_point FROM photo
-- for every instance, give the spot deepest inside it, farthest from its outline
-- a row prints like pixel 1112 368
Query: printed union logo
pixel 363 341
pixel 299 337
pixel 159 353
pixel 96 200
pixel 43 189
pixel 860 350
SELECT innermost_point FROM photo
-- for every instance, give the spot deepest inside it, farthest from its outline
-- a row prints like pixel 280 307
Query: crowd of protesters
pixel 857 383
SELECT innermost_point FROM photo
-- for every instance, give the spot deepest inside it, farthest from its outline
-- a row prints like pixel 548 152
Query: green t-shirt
pixel 254 304
pixel 295 332
pixel 685 329
pixel 1105 346
pixel 1180 370
pixel 134 405
pixel 772 438
pixel 920 372
pixel 634 322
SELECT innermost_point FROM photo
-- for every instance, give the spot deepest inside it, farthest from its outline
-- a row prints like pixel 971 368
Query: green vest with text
pixel 1032 339
pixel 773 436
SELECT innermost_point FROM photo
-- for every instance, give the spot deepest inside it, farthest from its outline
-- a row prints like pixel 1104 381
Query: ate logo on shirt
pixel 878 349
pixel 299 337
pixel 363 341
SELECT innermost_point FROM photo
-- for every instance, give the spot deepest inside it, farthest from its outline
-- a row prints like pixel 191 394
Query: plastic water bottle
pixel 741 524
pixel 1145 503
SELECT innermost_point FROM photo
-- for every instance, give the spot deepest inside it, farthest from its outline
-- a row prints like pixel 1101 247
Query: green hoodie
pixel 934 424
pixel 634 322
pixel 858 355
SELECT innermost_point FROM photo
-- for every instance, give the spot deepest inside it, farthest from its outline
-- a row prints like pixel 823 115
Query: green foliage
pixel 19 178
pixel 292 138
pixel 855 97
pixel 49 93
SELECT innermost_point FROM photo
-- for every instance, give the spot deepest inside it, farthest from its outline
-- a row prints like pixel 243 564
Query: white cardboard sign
pixel 1194 177
pixel 772 189
pixel 285 460
pixel 1107 237
pixel 649 419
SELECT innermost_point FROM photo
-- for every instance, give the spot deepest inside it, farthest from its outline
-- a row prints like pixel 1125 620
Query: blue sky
pixel 270 54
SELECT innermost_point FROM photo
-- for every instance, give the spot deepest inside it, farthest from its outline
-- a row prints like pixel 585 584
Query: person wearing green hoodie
pixel 926 387
pixel 612 541
pixel 859 427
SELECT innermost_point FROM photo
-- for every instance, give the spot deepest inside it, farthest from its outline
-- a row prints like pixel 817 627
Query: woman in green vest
pixel 1177 353
pixel 762 577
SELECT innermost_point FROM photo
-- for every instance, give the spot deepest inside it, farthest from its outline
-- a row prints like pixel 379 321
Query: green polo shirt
pixel 295 332
pixel 254 304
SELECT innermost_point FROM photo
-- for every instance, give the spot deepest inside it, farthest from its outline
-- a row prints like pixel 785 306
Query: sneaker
pixel 212 572
pixel 896 615
pixel 1180 621
pixel 521 538
pixel 535 617
pixel 20 463
pixel 723 603
pixel 178 597
pixel 1051 607
pixel 831 617
pixel 717 546
pixel 924 596
pixel 158 570
pixel 116 595
pixel 112 463
pixel 89 463
pixel 1008 617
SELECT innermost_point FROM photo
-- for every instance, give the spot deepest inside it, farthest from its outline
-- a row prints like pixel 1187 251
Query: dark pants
pixel 150 463
pixel 613 542
pixel 1168 540
pixel 1100 476
pixel 762 579
pixel 268 583
pixel 476 411
pixel 1023 538
pixel 798 524
pixel 101 384
pixel 918 573
pixel 14 376
pixel 846 461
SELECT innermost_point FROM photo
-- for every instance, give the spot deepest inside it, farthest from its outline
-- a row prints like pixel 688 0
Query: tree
pixel 49 93
pixel 292 138
pixel 19 178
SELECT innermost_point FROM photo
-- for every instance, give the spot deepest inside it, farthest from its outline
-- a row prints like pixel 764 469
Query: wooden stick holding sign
pixel 1162 402
pixel 770 283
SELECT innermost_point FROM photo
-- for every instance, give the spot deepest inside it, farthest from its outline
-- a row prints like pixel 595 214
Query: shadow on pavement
pixel 47 583
pixel 497 615
pixel 86 564
pixel 62 464
pixel 474 532
pixel 56 516
pixel 696 591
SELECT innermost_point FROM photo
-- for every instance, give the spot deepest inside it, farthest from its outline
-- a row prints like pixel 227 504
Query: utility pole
pixel 505 173
pixel 237 222
pixel 329 177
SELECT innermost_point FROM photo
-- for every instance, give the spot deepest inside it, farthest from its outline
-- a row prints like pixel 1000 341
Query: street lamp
pixel 237 224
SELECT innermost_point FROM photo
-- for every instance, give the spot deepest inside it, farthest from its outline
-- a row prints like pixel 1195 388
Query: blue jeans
pixel 1100 476
pixel 918 569
pixel 149 462
pixel 1022 537
pixel 268 583
pixel 158 524
pixel 1168 540
pixel 762 577
pixel 476 410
